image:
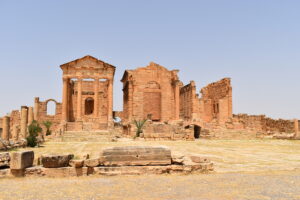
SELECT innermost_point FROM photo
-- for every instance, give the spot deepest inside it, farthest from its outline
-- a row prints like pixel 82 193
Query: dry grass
pixel 245 169
pixel 228 155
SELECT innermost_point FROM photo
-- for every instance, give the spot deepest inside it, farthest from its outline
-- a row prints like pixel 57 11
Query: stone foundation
pixel 112 161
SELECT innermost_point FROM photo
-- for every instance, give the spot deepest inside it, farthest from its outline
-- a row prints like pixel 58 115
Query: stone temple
pixel 173 111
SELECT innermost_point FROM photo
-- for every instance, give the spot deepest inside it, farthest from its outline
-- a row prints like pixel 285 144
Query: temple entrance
pixel 89 106
pixel 197 131
pixel 152 105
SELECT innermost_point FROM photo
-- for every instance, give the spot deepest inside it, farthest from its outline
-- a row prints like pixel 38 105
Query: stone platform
pixel 132 160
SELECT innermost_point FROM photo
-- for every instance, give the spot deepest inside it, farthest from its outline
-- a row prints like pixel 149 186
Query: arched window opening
pixel 51 108
pixel 89 106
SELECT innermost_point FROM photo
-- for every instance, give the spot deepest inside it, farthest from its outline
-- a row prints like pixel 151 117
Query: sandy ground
pixel 228 186
pixel 228 155
pixel 244 169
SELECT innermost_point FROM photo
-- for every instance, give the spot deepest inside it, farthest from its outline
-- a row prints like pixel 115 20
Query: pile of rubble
pixel 136 160
pixel 7 145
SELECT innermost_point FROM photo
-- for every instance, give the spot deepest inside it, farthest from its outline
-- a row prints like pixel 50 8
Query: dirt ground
pixel 244 169
pixel 228 186
pixel 228 155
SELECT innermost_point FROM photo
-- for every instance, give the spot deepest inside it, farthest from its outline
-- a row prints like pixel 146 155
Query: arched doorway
pixel 51 107
pixel 197 131
pixel 89 106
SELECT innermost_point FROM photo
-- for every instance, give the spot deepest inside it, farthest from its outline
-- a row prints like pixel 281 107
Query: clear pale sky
pixel 256 43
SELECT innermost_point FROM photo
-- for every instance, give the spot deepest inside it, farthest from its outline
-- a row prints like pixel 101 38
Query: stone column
pixel 110 100
pixel 30 115
pixel 24 120
pixel 65 100
pixel 177 102
pixel 15 132
pixel 5 128
pixel 296 127
pixel 96 102
pixel 79 99
pixel 36 109
pixel 130 101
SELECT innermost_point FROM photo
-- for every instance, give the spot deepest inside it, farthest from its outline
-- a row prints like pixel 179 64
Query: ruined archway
pixel 89 106
pixel 51 107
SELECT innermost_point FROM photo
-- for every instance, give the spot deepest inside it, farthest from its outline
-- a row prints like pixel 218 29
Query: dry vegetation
pixel 228 155
pixel 245 169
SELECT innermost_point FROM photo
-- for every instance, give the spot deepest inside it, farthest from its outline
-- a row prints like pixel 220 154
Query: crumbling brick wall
pixel 263 124
pixel 42 115
pixel 189 102
pixel 216 101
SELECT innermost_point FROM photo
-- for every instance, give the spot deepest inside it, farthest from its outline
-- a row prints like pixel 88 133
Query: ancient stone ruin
pixel 131 160
pixel 173 111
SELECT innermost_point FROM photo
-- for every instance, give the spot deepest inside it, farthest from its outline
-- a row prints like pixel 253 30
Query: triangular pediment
pixel 87 62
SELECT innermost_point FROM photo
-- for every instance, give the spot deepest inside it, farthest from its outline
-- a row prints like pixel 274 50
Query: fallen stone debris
pixel 132 160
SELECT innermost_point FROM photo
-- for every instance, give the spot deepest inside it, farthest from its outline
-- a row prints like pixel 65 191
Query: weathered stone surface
pixel 4 159
pixel 76 163
pixel 133 156
pixel 148 170
pixel 57 172
pixel 91 163
pixel 199 159
pixel 56 161
pixel 21 160
pixel 177 158
pixel 4 173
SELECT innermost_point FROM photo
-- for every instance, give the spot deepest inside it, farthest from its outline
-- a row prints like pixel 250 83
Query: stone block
pixel 4 159
pixel 177 158
pixel 76 163
pixel 199 159
pixel 21 160
pixel 91 163
pixel 136 156
pixel 56 172
pixel 56 161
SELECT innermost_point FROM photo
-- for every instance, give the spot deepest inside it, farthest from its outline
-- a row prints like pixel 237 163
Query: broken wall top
pixel 217 90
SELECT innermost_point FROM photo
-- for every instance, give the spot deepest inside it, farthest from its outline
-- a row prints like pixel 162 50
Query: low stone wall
pixel 161 131
pixel 112 161
pixel 261 123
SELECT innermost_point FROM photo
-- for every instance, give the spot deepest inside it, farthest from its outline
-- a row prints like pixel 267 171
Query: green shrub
pixel 34 129
pixel 139 125
pixel 48 125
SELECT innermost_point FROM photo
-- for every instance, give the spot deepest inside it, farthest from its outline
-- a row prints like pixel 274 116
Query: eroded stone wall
pixel 262 123
pixel 189 102
pixel 216 101
pixel 151 92
pixel 43 116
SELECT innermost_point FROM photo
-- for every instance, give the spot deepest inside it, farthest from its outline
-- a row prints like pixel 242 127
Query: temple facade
pixel 87 94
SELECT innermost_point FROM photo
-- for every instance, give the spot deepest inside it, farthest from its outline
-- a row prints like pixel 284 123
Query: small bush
pixel 139 125
pixel 34 129
pixel 48 125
